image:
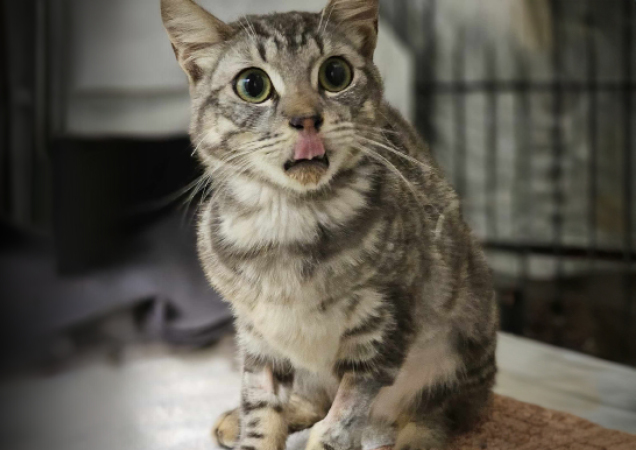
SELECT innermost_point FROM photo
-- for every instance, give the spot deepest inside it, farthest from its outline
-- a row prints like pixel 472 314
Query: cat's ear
pixel 193 32
pixel 360 17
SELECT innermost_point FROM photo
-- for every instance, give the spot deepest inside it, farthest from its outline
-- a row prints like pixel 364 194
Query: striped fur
pixel 363 304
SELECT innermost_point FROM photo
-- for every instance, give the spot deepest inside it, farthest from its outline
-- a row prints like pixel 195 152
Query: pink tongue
pixel 309 146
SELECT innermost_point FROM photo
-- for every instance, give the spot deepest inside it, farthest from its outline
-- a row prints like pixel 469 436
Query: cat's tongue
pixel 309 146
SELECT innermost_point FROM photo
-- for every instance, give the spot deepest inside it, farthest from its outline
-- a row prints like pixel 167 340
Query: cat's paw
pixel 226 430
pixel 325 436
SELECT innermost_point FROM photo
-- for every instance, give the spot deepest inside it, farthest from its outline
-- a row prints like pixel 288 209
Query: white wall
pixel 125 80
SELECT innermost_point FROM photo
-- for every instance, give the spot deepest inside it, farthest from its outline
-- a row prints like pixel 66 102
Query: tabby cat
pixel 364 307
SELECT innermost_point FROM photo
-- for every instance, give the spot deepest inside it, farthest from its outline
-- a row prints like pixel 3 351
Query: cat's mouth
pixel 321 161
pixel 307 171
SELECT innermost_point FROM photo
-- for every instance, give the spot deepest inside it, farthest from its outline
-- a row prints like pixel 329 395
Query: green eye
pixel 253 86
pixel 335 75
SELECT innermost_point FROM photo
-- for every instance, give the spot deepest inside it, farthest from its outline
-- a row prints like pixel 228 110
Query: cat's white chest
pixel 308 338
pixel 270 217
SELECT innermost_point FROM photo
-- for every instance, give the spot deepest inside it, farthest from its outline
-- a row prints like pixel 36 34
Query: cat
pixel 363 305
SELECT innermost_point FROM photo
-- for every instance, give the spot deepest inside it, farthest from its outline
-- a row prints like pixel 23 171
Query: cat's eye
pixel 335 75
pixel 253 86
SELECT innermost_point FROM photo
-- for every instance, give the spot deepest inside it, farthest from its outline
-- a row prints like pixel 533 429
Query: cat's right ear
pixel 193 32
pixel 359 17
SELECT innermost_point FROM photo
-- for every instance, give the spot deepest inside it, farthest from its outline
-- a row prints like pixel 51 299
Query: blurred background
pixel 529 105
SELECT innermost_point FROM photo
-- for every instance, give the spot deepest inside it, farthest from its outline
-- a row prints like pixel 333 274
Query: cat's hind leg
pixel 303 414
pixel 430 428
pixel 431 434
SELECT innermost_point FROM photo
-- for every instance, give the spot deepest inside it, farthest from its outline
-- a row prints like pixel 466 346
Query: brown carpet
pixel 514 425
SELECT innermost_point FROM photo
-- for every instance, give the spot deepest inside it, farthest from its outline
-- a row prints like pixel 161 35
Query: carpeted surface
pixel 520 426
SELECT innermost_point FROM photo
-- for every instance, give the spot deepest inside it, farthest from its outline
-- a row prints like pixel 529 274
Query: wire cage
pixel 529 107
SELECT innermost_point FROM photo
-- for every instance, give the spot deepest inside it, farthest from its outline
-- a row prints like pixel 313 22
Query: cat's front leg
pixel 264 397
pixel 348 417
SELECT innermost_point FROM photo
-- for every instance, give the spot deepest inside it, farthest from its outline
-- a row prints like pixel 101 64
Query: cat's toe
pixel 226 430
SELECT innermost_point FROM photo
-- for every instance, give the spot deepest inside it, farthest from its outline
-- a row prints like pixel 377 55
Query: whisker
pixel 322 18
pixel 171 198
pixel 249 30
pixel 326 22
pixel 251 26
pixel 201 141
pixel 349 127
pixel 392 168
pixel 200 185
pixel 264 145
pixel 398 153
pixel 231 165
pixel 378 130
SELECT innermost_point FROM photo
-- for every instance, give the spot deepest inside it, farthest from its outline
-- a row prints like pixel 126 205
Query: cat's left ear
pixel 193 32
pixel 359 18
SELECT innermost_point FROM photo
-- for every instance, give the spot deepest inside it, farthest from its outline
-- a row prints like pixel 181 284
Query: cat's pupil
pixel 254 85
pixel 336 73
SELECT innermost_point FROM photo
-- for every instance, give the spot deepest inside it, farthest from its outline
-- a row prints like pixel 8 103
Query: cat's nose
pixel 311 123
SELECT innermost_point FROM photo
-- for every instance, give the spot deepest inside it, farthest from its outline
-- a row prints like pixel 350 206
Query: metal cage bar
pixel 492 141
pixel 459 162
pixel 558 305
pixel 592 123
pixel 630 299
pixel 558 89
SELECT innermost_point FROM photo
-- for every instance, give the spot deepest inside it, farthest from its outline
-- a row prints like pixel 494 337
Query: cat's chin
pixel 308 175
pixel 308 172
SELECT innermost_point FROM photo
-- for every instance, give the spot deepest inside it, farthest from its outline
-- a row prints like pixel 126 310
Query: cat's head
pixel 280 97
